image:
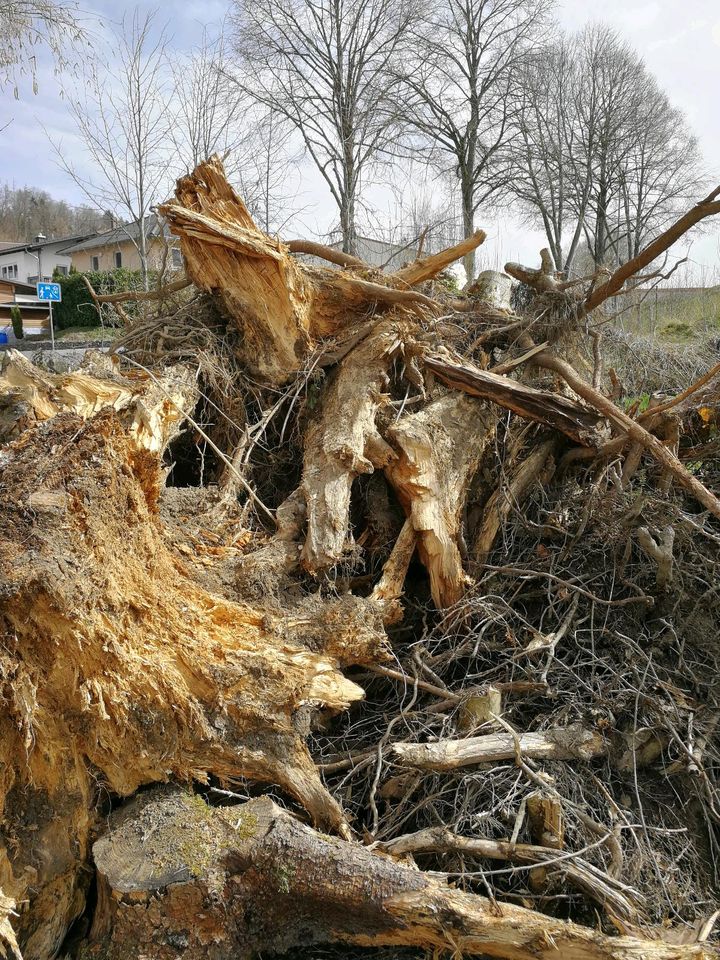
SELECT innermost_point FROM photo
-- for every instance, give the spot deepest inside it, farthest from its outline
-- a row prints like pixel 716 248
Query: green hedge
pixel 77 309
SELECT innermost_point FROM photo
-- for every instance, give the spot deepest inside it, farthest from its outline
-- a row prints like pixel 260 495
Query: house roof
pixel 31 245
pixel 121 234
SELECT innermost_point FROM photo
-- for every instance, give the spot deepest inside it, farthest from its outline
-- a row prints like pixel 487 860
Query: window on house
pixel 118 259
pixel 10 271
pixel 96 263
pixel 177 259
pixel 4 272
pixel 63 271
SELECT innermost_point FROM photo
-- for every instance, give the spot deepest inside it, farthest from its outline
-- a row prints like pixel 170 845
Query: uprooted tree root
pixel 299 535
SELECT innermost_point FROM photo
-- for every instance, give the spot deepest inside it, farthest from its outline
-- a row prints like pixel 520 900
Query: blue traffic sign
pixel 49 291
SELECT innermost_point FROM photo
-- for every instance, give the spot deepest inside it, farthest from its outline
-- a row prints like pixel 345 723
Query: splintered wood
pixel 389 461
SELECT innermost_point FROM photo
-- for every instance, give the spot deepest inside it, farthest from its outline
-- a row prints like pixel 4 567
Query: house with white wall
pixel 36 260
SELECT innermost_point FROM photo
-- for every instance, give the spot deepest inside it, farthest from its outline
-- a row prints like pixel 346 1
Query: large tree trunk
pixel 179 879
pixel 124 662
pixel 119 670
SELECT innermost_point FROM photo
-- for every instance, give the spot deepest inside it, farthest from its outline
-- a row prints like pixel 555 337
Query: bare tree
pixel 325 65
pixel 208 104
pixel 552 176
pixel 461 91
pixel 214 114
pixel 658 175
pixel 264 169
pixel 600 154
pixel 613 85
pixel 27 24
pixel 123 123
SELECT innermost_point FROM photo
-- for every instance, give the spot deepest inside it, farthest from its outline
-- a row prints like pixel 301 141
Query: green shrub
pixel 643 402
pixel 77 308
pixel 17 322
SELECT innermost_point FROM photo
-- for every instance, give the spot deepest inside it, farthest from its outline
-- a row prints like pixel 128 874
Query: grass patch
pixel 678 331
pixel 674 317
pixel 85 334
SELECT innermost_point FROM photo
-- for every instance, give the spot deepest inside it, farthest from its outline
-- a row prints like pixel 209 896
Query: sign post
pixel 50 293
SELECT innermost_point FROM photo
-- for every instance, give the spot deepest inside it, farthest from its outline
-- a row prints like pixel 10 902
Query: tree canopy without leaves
pixel 600 153
pixel 123 123
pixel 208 104
pixel 461 91
pixel 325 65
pixel 27 24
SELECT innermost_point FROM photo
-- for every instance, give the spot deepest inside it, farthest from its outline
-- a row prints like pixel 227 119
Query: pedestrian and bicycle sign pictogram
pixel 49 291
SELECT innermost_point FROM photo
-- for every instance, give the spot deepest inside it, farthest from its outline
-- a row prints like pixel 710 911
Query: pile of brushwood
pixel 338 609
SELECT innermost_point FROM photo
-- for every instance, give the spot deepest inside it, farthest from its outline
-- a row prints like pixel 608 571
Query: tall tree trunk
pixel 468 218
pixel 347 224
pixel 143 252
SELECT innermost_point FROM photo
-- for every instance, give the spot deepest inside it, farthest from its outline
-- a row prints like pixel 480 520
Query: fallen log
pixel 428 267
pixel 338 257
pixel 574 742
pixel 178 879
pixel 542 279
pixel 570 418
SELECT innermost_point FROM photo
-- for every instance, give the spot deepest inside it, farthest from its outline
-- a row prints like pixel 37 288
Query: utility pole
pixel 39 240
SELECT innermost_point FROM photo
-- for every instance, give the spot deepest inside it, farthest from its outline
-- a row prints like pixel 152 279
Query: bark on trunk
pixel 181 880
pixel 570 418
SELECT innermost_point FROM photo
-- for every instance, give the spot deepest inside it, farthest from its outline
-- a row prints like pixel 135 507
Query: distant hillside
pixel 26 211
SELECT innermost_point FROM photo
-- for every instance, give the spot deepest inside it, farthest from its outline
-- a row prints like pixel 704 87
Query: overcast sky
pixel 679 41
